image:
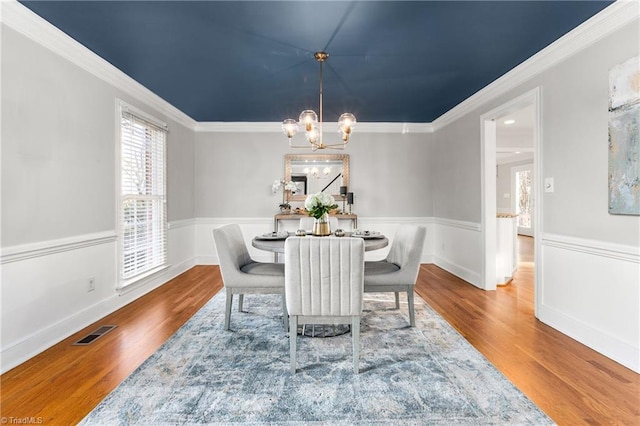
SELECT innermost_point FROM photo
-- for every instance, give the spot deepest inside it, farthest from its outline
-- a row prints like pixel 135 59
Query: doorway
pixel 491 157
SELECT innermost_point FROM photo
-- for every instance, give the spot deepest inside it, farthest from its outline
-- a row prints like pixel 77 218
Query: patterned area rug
pixel 423 375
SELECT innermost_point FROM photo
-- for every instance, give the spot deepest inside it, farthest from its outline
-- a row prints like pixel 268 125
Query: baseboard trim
pixel 35 343
pixel 466 274
pixel 620 351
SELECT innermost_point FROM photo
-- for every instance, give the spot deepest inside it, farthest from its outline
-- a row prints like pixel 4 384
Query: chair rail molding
pixel 469 226
pixel 46 248
pixel 594 247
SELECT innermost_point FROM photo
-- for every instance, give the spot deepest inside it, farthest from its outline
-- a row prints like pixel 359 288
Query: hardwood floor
pixel 570 382
pixel 63 384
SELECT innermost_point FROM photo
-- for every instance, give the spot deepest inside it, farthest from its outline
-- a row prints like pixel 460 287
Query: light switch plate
pixel 548 184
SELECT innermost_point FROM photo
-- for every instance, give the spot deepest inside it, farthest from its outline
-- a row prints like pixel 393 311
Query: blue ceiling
pixel 390 61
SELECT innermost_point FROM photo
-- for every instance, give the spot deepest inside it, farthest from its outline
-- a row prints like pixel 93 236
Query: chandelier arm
pixel 291 145
pixel 336 146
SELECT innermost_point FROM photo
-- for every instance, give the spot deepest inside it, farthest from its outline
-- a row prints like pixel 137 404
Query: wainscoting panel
pixel 45 297
pixel 458 249
pixel 45 288
pixel 591 292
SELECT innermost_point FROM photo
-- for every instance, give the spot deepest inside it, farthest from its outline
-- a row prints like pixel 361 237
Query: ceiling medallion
pixel 313 127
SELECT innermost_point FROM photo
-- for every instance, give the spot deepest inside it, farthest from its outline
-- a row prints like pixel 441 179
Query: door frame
pixel 488 187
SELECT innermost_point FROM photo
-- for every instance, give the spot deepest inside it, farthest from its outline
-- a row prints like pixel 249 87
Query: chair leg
pixel 285 317
pixel 397 293
pixel 412 313
pixel 240 302
pixel 227 309
pixel 293 337
pixel 355 336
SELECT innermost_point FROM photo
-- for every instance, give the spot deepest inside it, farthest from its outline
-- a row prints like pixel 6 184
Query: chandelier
pixel 313 127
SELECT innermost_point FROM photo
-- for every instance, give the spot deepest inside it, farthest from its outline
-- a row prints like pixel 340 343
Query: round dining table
pixel 275 244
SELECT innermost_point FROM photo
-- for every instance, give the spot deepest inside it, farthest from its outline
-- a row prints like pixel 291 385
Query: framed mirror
pixel 317 172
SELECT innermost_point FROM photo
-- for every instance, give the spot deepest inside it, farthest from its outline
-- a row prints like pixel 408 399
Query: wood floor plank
pixel 570 382
pixel 64 383
pixel 573 384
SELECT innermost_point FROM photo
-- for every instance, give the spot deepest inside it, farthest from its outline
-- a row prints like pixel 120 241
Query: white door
pixel 523 197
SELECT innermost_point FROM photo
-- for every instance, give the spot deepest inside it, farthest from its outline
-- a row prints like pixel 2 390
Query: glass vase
pixel 321 226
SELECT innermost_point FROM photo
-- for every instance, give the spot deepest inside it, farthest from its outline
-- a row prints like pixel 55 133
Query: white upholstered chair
pixel 324 285
pixel 306 223
pixel 399 271
pixel 241 274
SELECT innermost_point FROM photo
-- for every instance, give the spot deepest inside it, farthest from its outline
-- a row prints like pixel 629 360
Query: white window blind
pixel 143 220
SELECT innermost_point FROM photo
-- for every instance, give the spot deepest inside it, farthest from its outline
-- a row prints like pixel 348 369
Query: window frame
pixel 141 276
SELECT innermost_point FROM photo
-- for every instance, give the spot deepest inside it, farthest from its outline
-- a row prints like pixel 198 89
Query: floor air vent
pixel 90 338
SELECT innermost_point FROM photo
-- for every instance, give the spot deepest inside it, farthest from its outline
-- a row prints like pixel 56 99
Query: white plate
pixel 273 236
pixel 367 235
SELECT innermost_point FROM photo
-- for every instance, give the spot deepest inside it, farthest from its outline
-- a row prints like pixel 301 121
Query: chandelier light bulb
pixel 290 127
pixel 308 119
pixel 313 135
pixel 346 122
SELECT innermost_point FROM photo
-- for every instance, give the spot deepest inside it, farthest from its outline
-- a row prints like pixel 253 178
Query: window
pixel 143 213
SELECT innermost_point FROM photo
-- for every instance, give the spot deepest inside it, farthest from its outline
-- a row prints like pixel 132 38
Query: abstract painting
pixel 624 143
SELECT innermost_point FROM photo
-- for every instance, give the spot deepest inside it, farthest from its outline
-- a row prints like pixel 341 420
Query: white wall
pixel 589 260
pixel 59 192
pixel 389 173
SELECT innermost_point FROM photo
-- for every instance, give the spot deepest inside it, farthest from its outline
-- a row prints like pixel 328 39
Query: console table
pixel 278 217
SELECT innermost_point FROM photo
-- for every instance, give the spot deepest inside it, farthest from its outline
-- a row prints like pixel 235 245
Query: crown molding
pixel 26 22
pixel 612 18
pixel 275 127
